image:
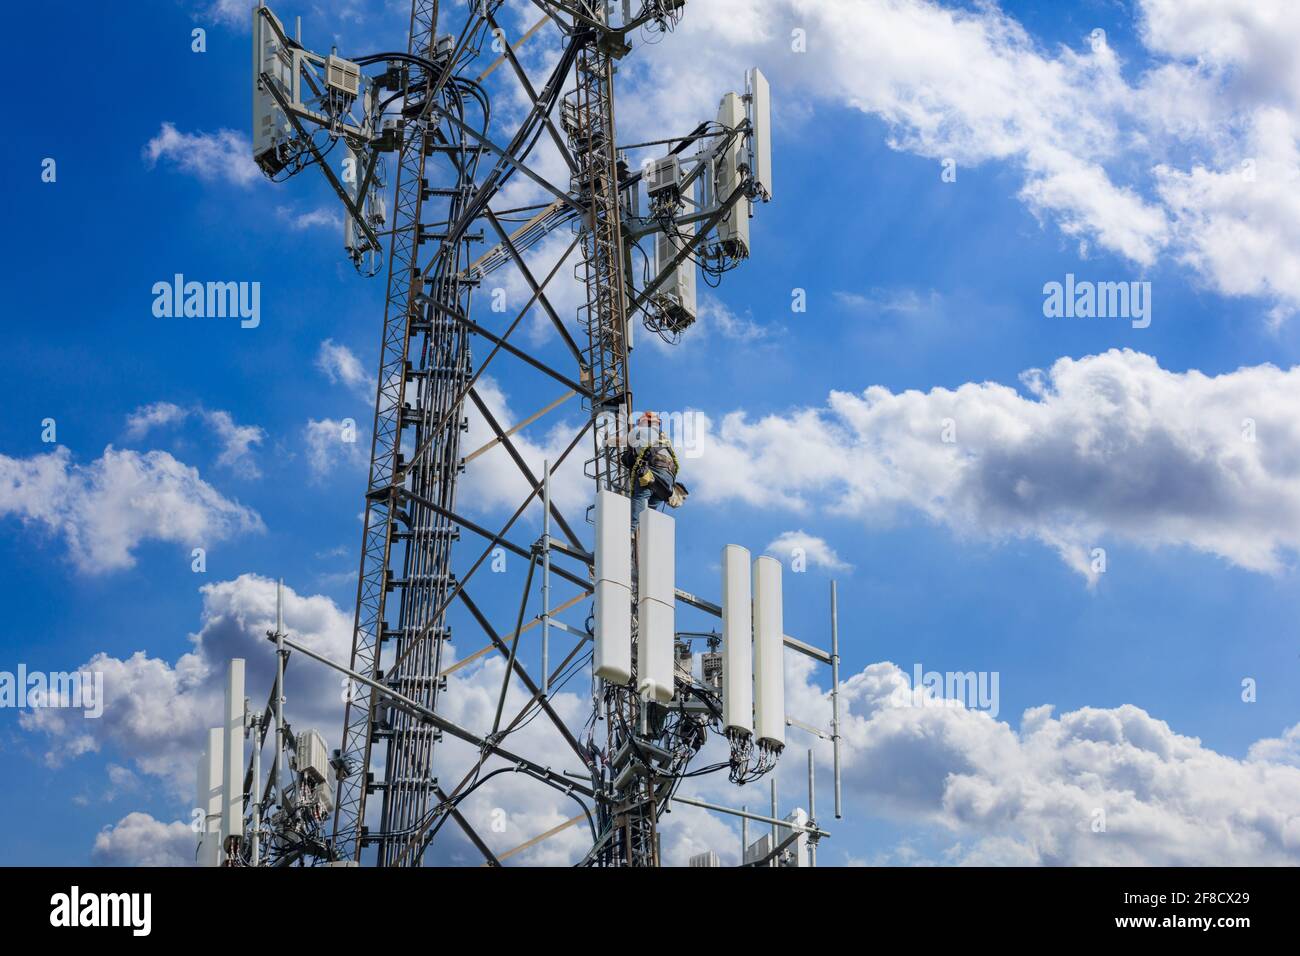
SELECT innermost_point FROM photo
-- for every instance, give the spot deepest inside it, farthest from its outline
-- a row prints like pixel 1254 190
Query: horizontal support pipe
pixel 774 821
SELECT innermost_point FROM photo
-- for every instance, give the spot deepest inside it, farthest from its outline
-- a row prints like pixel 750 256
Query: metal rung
pixel 430 147
pixel 442 237
pixel 448 192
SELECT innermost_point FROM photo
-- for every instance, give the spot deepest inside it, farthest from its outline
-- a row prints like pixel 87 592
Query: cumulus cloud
pixel 1141 160
pixel 237 441
pixel 140 840
pixel 157 415
pixel 237 15
pixel 814 550
pixel 331 443
pixel 952 83
pixel 1094 786
pixel 322 216
pixel 104 510
pixel 1106 447
pixel 156 712
pixel 1240 225
pixel 223 156
pixel 714 314
pixel 1025 795
pixel 342 367
pixel 1284 749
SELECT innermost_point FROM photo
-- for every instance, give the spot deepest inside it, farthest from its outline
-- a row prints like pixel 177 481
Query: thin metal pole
pixel 835 696
pixel 514 646
pixel 546 577
pixel 744 833
pixel 812 806
pixel 775 812
pixel 278 766
pixel 255 840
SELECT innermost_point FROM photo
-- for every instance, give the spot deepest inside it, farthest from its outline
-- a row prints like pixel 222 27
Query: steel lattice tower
pixel 449 169
pixel 386 539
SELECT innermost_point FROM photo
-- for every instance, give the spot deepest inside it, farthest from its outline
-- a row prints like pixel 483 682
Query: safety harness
pixel 647 477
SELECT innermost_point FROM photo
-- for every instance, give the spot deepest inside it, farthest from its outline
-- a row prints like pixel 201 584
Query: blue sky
pixel 928 292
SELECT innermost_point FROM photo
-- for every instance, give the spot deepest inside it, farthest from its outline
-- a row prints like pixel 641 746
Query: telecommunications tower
pixel 421 123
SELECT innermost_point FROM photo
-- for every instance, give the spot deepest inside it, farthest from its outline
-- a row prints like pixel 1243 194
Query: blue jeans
pixel 646 496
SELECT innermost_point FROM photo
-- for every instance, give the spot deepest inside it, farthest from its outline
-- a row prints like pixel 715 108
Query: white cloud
pixel 341 366
pixel 157 415
pixel 713 313
pixel 233 13
pixel 323 216
pixel 140 840
pixel 1026 795
pixel 236 440
pixel 212 157
pixel 1141 160
pixel 909 302
pixel 814 549
pixel 1031 795
pixel 330 443
pixel 1247 45
pixel 1109 447
pixel 104 510
pixel 237 14
pixel 1240 225
pixel 970 85
pixel 1283 750
pixel 120 780
pixel 156 712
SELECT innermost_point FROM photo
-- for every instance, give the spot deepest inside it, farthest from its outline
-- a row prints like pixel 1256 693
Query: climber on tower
pixel 652 468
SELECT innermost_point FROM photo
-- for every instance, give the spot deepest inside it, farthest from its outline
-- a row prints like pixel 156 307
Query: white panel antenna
pixel 353 243
pixel 676 294
pixel 271 128
pixel 656 610
pixel 613 611
pixel 232 801
pixel 733 230
pixel 737 641
pixel 210 791
pixel 759 102
pixel 769 653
